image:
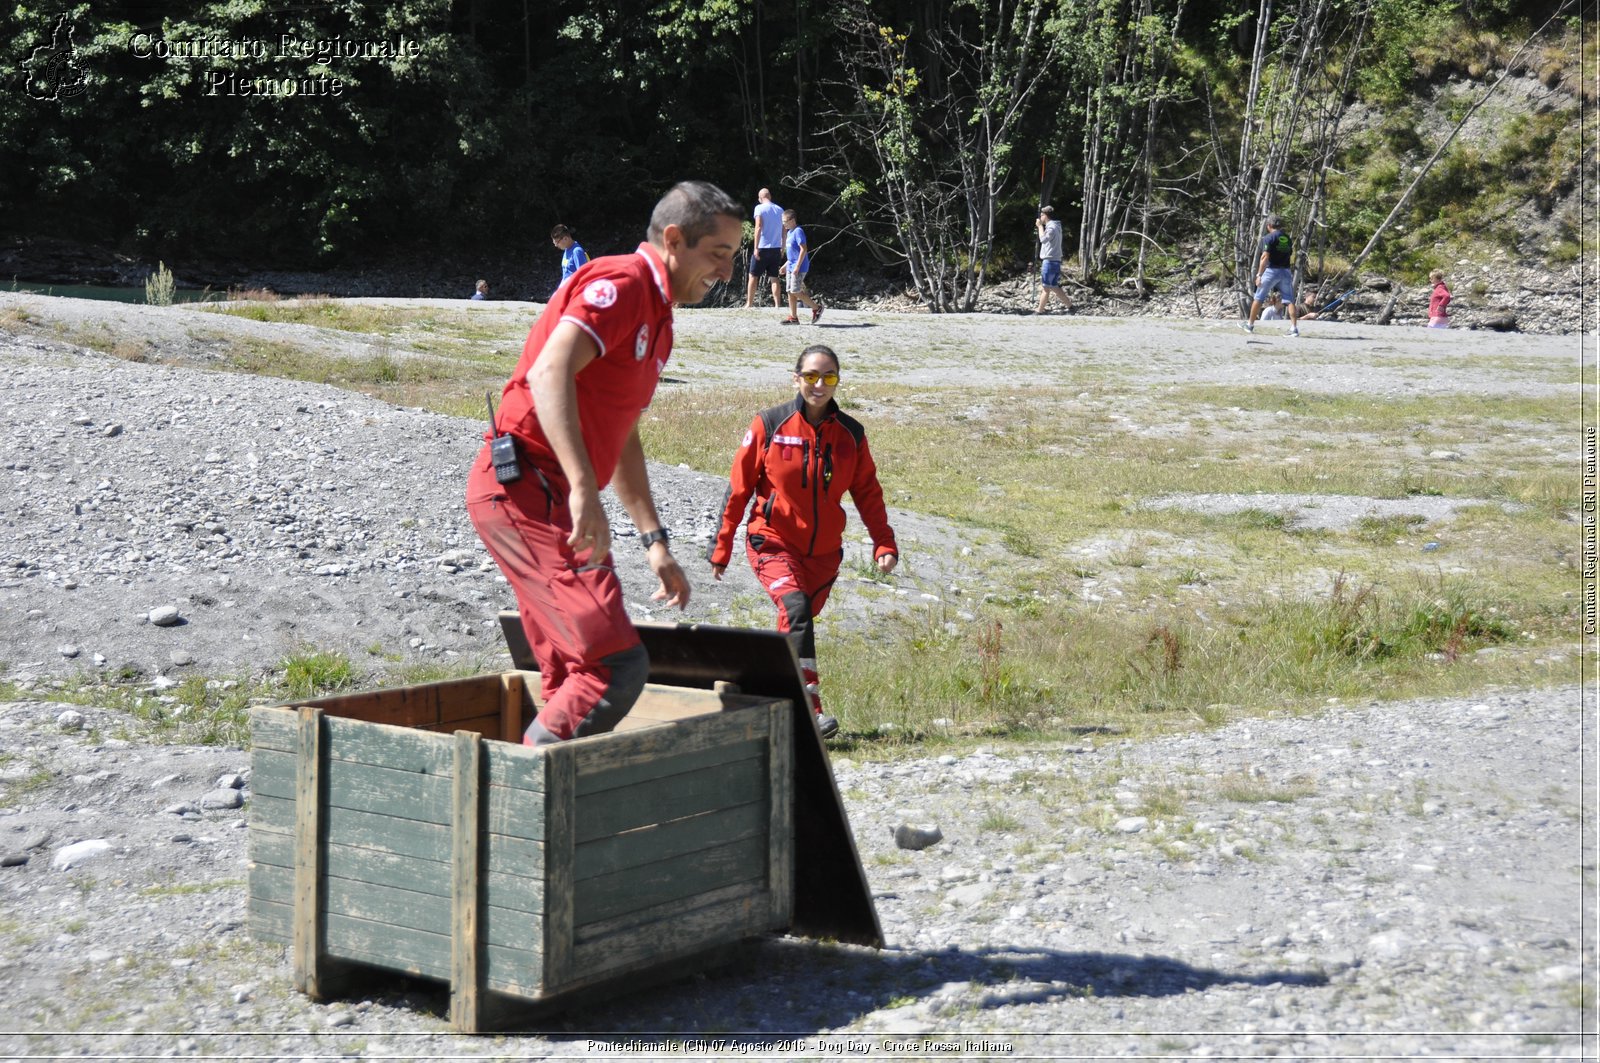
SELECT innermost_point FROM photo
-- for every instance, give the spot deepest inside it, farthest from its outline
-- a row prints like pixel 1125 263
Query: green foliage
pixel 1401 29
pixel 504 117
pixel 309 673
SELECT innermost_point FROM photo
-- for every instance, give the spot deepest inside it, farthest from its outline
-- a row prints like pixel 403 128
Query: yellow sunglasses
pixel 829 379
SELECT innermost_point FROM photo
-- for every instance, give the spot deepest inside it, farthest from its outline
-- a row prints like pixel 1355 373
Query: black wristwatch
pixel 649 539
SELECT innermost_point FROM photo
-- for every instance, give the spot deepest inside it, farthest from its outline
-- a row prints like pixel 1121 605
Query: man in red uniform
pixel 588 370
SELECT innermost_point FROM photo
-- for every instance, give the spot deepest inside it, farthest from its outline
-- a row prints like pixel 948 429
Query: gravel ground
pixel 1374 880
pixel 1371 881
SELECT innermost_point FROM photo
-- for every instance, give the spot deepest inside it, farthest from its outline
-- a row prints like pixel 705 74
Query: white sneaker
pixel 1294 332
pixel 1247 326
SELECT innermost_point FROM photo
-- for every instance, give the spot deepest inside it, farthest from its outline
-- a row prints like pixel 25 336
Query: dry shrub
pixel 130 350
pixel 253 295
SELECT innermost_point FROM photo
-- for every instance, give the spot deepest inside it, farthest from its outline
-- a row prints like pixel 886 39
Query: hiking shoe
pixel 1294 332
pixel 791 321
pixel 827 726
pixel 816 312
pixel 1247 326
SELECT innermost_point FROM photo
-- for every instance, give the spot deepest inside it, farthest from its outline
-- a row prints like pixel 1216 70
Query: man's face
pixel 693 270
pixel 563 242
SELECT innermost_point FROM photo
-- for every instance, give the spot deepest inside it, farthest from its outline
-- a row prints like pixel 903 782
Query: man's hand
pixel 674 589
pixel 590 529
pixel 717 571
pixel 886 563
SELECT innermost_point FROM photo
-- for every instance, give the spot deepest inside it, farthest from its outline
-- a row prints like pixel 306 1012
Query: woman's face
pixel 811 379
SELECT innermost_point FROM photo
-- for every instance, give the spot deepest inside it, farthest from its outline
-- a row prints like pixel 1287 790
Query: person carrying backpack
pixel 797 462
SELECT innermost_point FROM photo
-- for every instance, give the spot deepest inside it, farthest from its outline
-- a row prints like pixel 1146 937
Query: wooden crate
pixel 398 830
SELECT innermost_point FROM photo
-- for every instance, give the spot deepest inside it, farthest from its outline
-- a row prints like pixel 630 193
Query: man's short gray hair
pixel 1274 221
pixel 694 207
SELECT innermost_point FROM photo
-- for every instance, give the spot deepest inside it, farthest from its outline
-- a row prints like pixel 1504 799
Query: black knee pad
pixel 802 631
pixel 629 670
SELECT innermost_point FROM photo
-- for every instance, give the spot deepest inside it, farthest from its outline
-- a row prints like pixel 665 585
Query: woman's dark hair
pixel 816 348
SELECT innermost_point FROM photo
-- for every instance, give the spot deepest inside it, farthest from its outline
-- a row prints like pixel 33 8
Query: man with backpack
pixel 1275 271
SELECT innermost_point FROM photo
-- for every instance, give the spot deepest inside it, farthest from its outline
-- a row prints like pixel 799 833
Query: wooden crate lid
pixel 832 899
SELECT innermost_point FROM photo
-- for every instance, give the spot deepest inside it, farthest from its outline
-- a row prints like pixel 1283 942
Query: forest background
pixel 917 139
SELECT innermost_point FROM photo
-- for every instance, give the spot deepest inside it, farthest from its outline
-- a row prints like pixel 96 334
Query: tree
pixel 922 133
pixel 1117 57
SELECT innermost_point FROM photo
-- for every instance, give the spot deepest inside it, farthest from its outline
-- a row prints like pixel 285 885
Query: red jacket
pixel 1439 301
pixel 799 475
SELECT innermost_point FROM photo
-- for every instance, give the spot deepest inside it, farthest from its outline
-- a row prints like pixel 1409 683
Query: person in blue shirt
pixel 482 291
pixel 766 252
pixel 796 268
pixel 572 252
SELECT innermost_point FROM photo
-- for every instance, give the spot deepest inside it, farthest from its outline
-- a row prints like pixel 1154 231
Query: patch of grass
pixel 1385 530
pixel 1066 668
pixel 1244 788
pixel 14 791
pixel 188 889
pixel 310 673
pixel 999 821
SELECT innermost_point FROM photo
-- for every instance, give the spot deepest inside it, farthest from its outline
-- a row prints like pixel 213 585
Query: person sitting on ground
pixel 481 291
pixel 797 462
pixel 1273 311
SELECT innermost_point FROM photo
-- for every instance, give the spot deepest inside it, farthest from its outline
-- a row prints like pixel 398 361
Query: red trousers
pixel 799 587
pixel 591 665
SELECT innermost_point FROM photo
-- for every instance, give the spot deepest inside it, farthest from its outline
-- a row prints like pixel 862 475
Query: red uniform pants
pixel 591 665
pixel 799 587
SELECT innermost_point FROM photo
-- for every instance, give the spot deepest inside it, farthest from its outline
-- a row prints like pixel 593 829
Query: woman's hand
pixel 886 563
pixel 717 571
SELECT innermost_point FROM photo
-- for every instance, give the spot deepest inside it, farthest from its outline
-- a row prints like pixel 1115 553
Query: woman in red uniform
pixel 797 461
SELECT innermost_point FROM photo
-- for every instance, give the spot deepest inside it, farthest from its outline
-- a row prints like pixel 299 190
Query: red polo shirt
pixel 624 303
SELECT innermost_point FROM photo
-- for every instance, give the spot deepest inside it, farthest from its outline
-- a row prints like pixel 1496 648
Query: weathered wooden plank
pixel 401 907
pixel 274 884
pixel 687 930
pixel 517 767
pixel 631 722
pixel 593 780
pixel 523 892
pixel 367 865
pixel 516 856
pixel 639 920
pixel 371 830
pixel 507 970
pixel 780 824
pixel 618 852
pixel 466 976
pixel 425 704
pixel 484 726
pixel 368 786
pixel 674 797
pixel 511 697
pixel 398 748
pixel 514 813
pixel 674 879
pixel 560 822
pixel 603 753
pixel 309 868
